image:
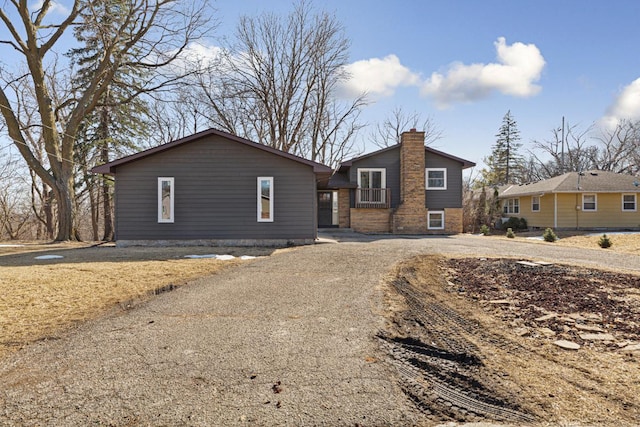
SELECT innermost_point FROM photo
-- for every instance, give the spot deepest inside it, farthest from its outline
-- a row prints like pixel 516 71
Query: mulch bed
pixel 558 301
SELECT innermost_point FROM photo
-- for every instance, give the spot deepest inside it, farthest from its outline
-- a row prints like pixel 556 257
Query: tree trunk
pixel 63 193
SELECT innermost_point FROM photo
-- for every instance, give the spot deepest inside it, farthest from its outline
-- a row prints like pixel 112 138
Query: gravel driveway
pixel 283 340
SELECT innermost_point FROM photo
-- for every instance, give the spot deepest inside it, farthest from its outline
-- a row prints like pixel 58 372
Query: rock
pixel 597 337
pixel 546 317
pixel 632 348
pixel 567 345
pixel 522 332
pixel 501 301
pixel 576 316
pixel 528 264
pixel 588 328
pixel 546 332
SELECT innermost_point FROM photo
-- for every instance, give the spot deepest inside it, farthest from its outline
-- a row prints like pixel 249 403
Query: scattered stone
pixel 502 301
pixel 547 332
pixel 597 337
pixel 546 317
pixel 528 264
pixel 576 316
pixel 567 345
pixel 522 332
pixel 593 317
pixel 588 328
pixel 632 348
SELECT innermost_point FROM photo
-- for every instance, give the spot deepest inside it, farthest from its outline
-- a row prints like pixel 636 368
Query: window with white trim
pixel 589 202
pixel 265 199
pixel 435 220
pixel 629 203
pixel 535 203
pixel 372 182
pixel 166 194
pixel 436 178
pixel 511 206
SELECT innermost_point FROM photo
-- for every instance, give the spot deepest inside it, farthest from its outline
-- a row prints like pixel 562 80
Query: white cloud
pixel 519 66
pixel 54 7
pixel 377 77
pixel 625 106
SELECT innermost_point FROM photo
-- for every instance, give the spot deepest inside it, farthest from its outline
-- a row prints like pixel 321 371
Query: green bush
pixel 549 235
pixel 605 242
pixel 510 233
pixel 484 229
pixel 516 223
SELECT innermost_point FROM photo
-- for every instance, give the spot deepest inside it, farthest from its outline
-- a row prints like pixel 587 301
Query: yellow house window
pixel 629 203
pixel 589 202
pixel 535 204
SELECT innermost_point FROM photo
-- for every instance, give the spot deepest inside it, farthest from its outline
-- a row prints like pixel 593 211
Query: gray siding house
pixel 406 189
pixel 215 188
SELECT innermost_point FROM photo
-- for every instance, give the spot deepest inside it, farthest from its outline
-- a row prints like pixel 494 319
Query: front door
pixel 325 209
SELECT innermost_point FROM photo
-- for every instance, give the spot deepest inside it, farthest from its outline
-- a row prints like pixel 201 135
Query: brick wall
pixel 453 220
pixel 411 215
pixel 343 208
pixel 370 220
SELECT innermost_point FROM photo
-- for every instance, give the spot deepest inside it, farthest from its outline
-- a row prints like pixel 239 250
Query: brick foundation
pixel 370 220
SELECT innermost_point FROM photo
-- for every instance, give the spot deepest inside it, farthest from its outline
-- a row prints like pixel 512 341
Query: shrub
pixel 510 233
pixel 516 223
pixel 605 242
pixel 484 229
pixel 549 235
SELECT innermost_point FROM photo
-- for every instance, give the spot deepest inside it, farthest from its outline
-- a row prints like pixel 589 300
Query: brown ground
pixel 489 315
pixel 38 298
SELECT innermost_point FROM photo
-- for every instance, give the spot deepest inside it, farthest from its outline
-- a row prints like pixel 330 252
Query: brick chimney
pixel 411 215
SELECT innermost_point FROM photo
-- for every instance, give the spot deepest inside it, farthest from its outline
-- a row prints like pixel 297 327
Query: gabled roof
pixel 465 163
pixel 110 168
pixel 593 181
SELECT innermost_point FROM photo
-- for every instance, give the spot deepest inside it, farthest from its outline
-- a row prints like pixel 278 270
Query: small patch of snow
pixel 49 257
pixel 11 246
pixel 225 257
pixel 243 257
pixel 201 256
pixel 612 233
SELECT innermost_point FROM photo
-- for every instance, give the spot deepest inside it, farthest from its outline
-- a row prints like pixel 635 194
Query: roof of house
pixel 593 181
pixel 110 168
pixel 465 163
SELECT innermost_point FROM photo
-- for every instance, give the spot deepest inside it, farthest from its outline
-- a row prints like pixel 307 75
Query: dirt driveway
pixel 284 340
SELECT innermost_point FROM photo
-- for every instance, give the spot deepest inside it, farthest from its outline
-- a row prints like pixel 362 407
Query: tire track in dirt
pixel 441 369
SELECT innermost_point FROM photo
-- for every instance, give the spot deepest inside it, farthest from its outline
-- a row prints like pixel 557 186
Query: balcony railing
pixel 376 198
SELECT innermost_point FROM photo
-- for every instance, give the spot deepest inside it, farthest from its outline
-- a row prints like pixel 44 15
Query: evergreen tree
pixel 119 117
pixel 505 164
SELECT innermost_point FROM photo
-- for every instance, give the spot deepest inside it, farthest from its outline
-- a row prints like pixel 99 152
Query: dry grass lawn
pixel 627 243
pixel 39 298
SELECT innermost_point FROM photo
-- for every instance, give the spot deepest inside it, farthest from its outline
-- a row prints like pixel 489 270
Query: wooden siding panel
pixel 452 196
pixel 215 194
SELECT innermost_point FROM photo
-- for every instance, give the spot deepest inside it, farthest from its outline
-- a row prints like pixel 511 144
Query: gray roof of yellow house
pixel 593 181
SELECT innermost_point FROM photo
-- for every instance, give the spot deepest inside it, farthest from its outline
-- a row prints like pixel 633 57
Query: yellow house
pixel 585 200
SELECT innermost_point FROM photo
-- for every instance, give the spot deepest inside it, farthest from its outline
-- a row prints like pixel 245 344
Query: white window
pixel 371 185
pixel 511 206
pixel 535 204
pixel 435 220
pixel 589 202
pixel 436 178
pixel 629 203
pixel 265 199
pixel 166 195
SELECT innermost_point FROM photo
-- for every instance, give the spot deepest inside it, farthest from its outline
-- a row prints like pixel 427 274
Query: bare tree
pixel 389 131
pixel 150 34
pixel 619 148
pixel 276 84
pixel 574 155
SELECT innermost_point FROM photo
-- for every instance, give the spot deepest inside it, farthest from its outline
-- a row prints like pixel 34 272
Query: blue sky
pixel 577 59
pixel 465 63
